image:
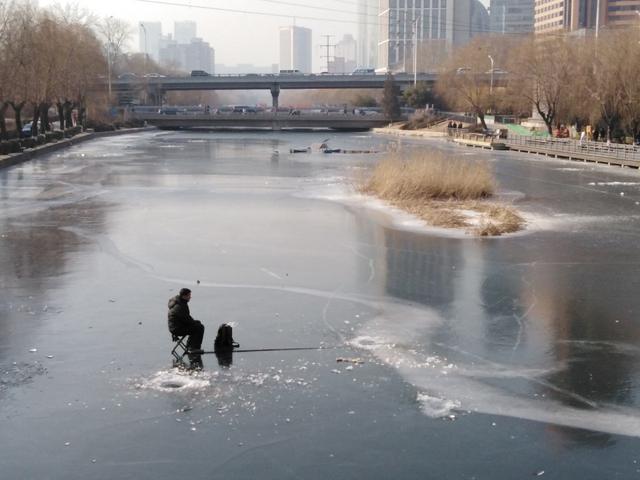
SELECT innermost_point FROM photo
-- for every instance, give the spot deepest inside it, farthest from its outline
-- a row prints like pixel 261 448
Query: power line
pixel 328 46
pixel 291 4
pixel 454 26
pixel 250 12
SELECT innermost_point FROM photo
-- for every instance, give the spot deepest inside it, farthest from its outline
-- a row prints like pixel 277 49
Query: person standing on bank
pixel 182 323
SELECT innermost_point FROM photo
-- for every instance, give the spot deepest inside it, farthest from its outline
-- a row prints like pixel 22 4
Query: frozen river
pixel 501 358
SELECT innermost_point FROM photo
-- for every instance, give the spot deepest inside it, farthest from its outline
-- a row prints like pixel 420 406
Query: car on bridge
pixel 364 71
pixel 199 73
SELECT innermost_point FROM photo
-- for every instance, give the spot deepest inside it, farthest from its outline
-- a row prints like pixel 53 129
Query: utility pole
pixel 328 47
pixel 416 22
pixel 491 87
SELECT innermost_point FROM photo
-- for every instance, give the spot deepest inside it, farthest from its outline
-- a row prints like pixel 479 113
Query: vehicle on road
pixel 127 76
pixel 364 71
pixel 244 109
pixel 26 130
pixel 291 72
pixel 199 73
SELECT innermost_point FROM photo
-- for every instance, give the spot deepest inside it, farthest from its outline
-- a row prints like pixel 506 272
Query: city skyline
pixel 223 30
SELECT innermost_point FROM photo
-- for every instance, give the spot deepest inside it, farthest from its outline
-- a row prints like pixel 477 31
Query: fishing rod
pixel 222 352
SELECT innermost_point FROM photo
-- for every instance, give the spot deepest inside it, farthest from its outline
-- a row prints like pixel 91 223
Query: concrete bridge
pixel 156 87
pixel 269 120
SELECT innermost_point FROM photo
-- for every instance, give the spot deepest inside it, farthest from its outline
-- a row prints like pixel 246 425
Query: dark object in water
pixel 299 150
pixel 224 345
pixel 331 150
pixel 359 151
pixel 224 339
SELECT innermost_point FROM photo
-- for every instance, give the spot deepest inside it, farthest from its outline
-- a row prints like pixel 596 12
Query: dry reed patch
pixel 429 176
pixel 443 191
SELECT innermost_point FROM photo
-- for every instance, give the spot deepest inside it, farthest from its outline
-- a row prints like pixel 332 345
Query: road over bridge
pixel 156 87
pixel 275 121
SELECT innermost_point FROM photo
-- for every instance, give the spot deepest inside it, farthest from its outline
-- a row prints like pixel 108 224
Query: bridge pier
pixel 275 94
pixel 155 96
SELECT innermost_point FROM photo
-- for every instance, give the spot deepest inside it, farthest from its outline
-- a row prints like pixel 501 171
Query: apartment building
pixel 435 25
pixel 511 16
pixel 575 15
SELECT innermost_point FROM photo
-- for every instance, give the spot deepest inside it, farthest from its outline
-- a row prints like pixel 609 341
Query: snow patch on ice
pixel 436 407
pixel 614 183
pixel 394 217
pixel 176 380
pixel 398 336
pixel 560 221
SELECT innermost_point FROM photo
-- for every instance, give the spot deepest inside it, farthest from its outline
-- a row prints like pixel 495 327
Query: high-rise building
pixel 150 35
pixel 346 52
pixel 184 31
pixel 367 33
pixel 575 15
pixel 511 16
pixel 438 25
pixel 571 15
pixel 622 13
pixel 295 49
pixel 196 55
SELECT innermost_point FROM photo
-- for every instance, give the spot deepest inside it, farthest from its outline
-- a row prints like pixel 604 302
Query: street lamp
pixel 144 29
pixel 415 51
pixel 109 69
pixel 108 35
pixel 491 85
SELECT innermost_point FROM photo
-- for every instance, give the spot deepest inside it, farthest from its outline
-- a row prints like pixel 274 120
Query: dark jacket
pixel 179 316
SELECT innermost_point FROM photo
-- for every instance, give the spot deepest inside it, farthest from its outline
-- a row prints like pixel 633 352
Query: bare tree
pixel 390 98
pixel 542 71
pixel 467 82
pixel 114 33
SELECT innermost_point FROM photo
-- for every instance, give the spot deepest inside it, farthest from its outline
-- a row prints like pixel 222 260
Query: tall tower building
pixel 184 31
pixel 150 35
pixel 367 34
pixel 621 13
pixel 574 15
pixel 439 24
pixel 295 49
pixel 345 55
pixel 511 16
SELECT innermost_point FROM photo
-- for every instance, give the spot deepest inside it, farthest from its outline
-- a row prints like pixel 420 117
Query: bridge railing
pixel 584 148
pixel 142 114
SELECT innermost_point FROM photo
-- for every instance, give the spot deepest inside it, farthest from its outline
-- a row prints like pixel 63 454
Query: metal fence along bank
pixel 586 151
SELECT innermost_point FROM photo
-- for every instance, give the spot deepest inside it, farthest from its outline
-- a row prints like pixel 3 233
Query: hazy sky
pixel 237 37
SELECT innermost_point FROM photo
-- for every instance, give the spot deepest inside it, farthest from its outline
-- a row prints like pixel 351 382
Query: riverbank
pixel 423 133
pixel 31 153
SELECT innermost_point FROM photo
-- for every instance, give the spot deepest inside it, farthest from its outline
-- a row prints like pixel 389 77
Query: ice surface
pixel 391 337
